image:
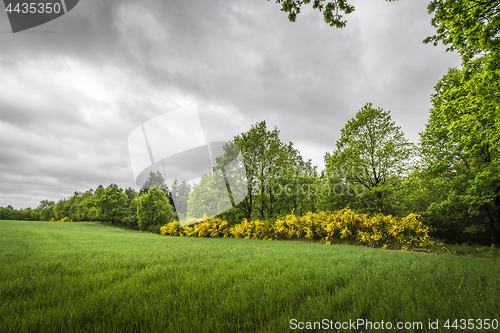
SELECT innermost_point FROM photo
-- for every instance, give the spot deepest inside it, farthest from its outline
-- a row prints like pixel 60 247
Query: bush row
pixel 383 231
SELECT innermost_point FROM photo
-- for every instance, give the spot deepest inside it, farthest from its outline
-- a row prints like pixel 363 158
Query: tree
pixel 61 209
pixel 180 196
pixel 131 194
pixel 295 188
pixel 370 157
pixel 461 149
pixel 131 218
pixel 113 204
pixel 46 210
pixel 153 209
pixel 158 181
pixel 29 214
pixel 264 155
pixel 86 208
pixel 97 213
pixel 155 179
pixel 6 213
pixel 210 197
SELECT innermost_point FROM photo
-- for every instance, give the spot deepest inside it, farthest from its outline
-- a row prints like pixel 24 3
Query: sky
pixel 74 89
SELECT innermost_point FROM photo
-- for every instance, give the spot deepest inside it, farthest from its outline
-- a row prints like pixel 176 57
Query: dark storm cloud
pixel 73 89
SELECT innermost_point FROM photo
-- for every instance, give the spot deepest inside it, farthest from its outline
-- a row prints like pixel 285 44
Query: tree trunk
pixel 494 230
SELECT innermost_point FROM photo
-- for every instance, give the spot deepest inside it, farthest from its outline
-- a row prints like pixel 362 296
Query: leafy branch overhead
pixel 471 27
pixel 331 10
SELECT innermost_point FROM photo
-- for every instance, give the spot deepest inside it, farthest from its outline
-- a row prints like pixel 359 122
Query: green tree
pixel 295 188
pixel 460 148
pixel 210 197
pixel 371 156
pixel 264 156
pixel 153 209
pixel 131 194
pixel 6 213
pixel 157 181
pixel 97 213
pixel 113 204
pixel 86 209
pixel 131 218
pixel 46 210
pixel 28 214
pixel 61 209
pixel 180 195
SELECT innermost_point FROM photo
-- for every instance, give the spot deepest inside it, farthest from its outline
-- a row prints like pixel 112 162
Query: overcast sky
pixel 72 90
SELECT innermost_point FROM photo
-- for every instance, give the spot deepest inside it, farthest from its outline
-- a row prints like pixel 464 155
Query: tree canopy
pixel 460 146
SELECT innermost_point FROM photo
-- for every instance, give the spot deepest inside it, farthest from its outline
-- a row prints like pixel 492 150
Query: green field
pixel 71 277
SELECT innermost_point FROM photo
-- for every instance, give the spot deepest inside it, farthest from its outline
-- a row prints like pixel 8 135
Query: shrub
pixel 153 210
pixel 379 230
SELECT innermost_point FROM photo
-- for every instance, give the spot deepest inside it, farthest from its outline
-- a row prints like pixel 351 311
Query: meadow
pixel 78 277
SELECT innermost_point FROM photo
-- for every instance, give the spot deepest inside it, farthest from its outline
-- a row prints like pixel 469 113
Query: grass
pixel 76 277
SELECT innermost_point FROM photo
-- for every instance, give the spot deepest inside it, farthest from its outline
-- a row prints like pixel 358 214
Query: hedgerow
pixel 379 230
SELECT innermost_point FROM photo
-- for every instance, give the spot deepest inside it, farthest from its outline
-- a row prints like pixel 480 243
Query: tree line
pixel 373 169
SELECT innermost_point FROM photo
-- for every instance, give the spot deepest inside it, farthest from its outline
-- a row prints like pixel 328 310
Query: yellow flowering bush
pixel 212 227
pixel 312 224
pixel 342 224
pixel 171 229
pixel 379 230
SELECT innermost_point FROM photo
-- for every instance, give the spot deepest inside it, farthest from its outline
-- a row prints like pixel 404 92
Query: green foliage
pixel 6 213
pixel 86 209
pixel 460 147
pixel 29 214
pixel 112 204
pixel 471 27
pixel 45 210
pixel 331 10
pixel 156 180
pixel 153 209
